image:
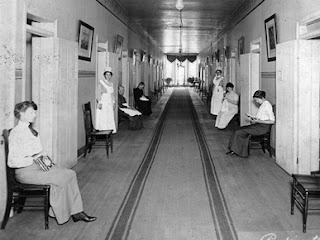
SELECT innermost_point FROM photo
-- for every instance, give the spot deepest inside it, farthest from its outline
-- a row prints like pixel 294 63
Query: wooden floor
pixel 256 190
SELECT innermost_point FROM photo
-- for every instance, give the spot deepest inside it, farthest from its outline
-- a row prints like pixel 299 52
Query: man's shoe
pixel 82 216
pixel 229 152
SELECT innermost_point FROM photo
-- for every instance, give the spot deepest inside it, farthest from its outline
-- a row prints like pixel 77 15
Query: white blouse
pixel 22 146
pixel 265 112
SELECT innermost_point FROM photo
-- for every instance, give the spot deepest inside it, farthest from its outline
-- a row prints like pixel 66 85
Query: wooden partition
pixel 132 83
pixel 12 44
pixel 125 77
pixel 146 77
pixel 249 80
pixel 55 89
pixel 297 106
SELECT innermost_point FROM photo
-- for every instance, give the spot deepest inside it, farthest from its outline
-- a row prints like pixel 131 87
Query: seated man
pixel 125 111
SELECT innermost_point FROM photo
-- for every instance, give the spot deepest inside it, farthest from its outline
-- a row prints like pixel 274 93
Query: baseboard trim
pixel 81 152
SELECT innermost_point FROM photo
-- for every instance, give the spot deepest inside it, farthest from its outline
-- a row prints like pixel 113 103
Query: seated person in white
pixel 229 107
pixel 123 105
pixel 260 124
pixel 24 151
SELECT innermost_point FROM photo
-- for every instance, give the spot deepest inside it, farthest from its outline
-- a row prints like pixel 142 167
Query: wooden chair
pixel 18 192
pixel 92 135
pixel 261 142
pixel 305 189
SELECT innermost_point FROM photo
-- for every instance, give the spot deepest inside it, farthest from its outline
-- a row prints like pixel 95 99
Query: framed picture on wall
pixel 217 55
pixel 240 47
pixel 85 40
pixel 271 37
pixel 118 46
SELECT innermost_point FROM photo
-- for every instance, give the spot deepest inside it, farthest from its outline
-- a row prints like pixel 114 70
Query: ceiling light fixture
pixel 179 5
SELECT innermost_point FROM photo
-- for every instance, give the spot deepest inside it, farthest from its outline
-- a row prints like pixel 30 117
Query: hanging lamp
pixel 179 5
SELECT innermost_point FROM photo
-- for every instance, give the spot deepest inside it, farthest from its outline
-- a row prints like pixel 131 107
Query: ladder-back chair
pixel 17 192
pixel 92 135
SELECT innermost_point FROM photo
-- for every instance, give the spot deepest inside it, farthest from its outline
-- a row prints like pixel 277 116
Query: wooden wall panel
pixel 125 77
pixel 286 151
pixel 55 89
pixel 12 43
pixel 297 138
pixel 308 102
pixel 245 98
pixel 132 83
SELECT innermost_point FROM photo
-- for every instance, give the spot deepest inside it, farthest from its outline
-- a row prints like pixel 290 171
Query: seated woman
pixel 229 107
pixel 25 150
pixel 260 124
pixel 142 103
pixel 123 105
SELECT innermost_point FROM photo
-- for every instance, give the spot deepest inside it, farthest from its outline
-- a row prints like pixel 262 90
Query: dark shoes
pixel 230 153
pixel 82 216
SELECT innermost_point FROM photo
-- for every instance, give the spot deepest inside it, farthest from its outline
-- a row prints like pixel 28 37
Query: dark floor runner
pixel 178 108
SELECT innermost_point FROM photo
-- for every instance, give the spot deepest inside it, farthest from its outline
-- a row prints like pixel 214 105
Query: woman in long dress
pixel 25 150
pixel 106 105
pixel 260 124
pixel 217 93
pixel 229 107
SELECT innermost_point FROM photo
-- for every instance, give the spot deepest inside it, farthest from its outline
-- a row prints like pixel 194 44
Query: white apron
pixel 105 116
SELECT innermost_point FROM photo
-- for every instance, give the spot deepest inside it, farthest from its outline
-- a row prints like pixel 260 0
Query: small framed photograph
pixel 217 55
pixel 241 45
pixel 118 46
pixel 271 37
pixel 85 41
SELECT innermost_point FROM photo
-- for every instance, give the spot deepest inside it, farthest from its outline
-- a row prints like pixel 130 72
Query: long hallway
pixel 172 180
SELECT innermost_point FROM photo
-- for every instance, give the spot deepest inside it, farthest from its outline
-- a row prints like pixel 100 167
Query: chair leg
pixel 293 195
pixel 21 202
pixel 85 151
pixel 7 213
pixel 111 143
pixel 107 146
pixel 46 210
pixel 269 147
pixel 249 145
pixel 305 212
pixel 263 144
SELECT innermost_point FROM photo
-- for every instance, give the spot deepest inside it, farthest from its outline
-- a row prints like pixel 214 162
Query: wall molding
pixel 86 74
pixel 243 11
pixel 268 75
pixel 116 9
pixel 18 73
pixel 120 13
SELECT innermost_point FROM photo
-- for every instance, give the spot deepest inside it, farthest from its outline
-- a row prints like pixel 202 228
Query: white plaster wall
pixel 106 26
pixel 288 13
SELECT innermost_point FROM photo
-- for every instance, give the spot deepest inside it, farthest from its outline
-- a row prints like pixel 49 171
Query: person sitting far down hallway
pixel 127 112
pixel 260 124
pixel 229 107
pixel 25 152
pixel 142 103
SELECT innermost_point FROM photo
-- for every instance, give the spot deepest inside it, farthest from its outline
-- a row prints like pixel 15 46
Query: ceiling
pixel 200 22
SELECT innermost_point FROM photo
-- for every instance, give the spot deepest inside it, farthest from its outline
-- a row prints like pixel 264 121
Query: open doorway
pixel 180 74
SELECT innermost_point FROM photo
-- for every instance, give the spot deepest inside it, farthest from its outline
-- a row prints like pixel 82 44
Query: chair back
pixel 11 179
pixel 87 115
